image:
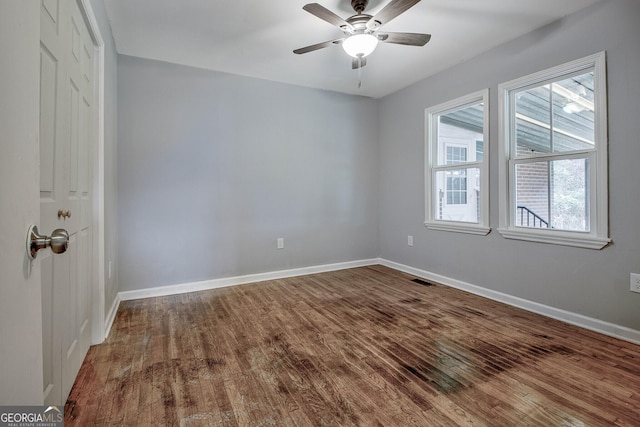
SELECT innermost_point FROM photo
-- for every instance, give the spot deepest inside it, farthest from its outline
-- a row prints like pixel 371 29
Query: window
pixel 456 186
pixel 553 151
pixel 456 170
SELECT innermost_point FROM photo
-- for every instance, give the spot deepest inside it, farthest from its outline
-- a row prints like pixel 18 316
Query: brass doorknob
pixel 58 242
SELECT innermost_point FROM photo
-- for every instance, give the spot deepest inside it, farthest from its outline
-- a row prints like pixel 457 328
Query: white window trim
pixel 431 147
pixel 597 237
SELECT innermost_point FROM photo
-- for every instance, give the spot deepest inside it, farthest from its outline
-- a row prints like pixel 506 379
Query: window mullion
pixel 551 124
pixel 457 166
pixel 556 156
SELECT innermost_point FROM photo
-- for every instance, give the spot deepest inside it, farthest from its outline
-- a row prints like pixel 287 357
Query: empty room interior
pixel 260 222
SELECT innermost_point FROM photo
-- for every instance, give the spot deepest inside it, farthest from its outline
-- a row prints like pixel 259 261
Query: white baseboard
pixel 606 328
pixel 111 315
pixel 240 280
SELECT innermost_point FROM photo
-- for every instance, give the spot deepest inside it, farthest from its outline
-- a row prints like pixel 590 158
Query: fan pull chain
pixel 359 71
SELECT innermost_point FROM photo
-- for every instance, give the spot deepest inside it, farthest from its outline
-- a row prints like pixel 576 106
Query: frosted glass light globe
pixel 360 45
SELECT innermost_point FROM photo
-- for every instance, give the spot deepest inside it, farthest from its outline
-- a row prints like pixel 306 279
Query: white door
pixel 66 144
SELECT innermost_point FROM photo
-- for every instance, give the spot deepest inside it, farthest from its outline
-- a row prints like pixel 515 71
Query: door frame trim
pixel 98 332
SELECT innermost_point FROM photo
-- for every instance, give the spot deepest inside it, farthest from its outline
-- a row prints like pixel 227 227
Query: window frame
pixel 597 236
pixel 432 167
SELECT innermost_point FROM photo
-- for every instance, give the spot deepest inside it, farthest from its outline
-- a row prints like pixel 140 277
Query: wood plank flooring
pixel 365 346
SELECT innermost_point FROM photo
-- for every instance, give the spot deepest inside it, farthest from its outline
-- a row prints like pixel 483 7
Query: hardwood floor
pixel 365 346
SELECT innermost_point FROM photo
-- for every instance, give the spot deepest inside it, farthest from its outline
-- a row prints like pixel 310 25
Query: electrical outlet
pixel 280 243
pixel 635 282
pixel 410 240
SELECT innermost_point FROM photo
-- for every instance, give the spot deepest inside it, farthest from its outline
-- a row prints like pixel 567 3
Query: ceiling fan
pixel 361 34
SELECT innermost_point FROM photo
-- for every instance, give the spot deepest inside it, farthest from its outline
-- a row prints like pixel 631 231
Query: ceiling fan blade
pixel 358 62
pixel 409 39
pixel 326 15
pixel 390 11
pixel 317 46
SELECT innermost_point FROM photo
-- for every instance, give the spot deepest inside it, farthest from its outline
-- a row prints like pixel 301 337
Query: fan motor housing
pixel 359 5
pixel 359 22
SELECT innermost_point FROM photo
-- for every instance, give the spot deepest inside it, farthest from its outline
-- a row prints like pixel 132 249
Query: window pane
pixel 569 201
pixel 455 155
pixel 556 117
pixel 531 138
pixel 532 195
pixel 459 132
pixel 533 120
pixel 458 195
pixel 573 113
pixel 553 194
pixel 479 150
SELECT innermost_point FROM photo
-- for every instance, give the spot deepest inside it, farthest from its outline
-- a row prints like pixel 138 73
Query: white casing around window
pixel 431 156
pixel 597 237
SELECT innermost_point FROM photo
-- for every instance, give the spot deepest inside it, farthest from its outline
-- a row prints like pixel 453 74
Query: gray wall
pixel 212 168
pixel 110 152
pixel 589 282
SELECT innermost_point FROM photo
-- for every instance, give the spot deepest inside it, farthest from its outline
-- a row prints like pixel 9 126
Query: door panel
pixel 74 98
pixel 51 8
pixel 66 147
pixel 48 75
pixel 70 338
pixel 50 348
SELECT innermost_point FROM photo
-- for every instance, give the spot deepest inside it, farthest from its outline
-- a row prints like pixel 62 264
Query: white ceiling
pixel 256 37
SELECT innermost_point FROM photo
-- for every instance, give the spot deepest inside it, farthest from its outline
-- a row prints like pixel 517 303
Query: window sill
pixel 565 238
pixel 458 227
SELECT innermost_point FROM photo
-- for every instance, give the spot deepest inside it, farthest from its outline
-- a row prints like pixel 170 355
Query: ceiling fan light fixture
pixel 573 107
pixel 360 45
pixel 360 37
